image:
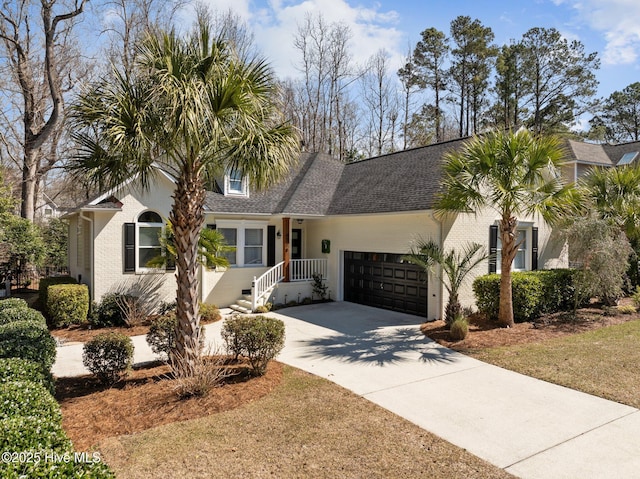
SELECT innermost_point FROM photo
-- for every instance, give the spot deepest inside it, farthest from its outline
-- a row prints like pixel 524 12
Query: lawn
pixel 603 362
pixel 307 427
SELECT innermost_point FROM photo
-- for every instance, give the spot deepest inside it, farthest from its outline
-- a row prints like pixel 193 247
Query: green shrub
pixel 56 469
pixel 67 304
pixel 16 369
pixel 44 286
pixel 109 312
pixel 28 340
pixel 13 303
pixel 636 297
pixel 26 398
pixel 626 309
pixel 209 313
pixel 162 334
pixel 108 356
pixel 533 292
pixel 21 433
pixel 459 329
pixel 11 315
pixel 259 338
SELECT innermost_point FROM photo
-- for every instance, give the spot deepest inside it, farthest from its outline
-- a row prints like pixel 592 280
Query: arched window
pixel 148 230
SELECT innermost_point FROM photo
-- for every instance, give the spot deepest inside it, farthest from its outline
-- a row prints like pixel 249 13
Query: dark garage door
pixel 383 281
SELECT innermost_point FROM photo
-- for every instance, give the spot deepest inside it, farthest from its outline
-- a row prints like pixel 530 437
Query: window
pixel 248 239
pixel 149 229
pixel 253 246
pixel 231 237
pixel 520 260
pixel 235 184
pixel 526 257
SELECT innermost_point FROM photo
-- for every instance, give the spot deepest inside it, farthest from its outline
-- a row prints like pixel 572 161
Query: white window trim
pixel 143 269
pixel 240 227
pixel 527 227
pixel 228 191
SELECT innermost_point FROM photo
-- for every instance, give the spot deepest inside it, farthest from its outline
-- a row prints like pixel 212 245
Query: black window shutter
pixel 129 247
pixel 493 247
pixel 211 227
pixel 271 245
pixel 534 248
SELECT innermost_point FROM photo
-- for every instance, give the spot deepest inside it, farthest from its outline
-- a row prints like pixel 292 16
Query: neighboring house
pixel 585 156
pixel 350 223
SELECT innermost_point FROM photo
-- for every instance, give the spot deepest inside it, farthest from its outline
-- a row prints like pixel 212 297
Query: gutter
pixel 91 258
pixel 440 242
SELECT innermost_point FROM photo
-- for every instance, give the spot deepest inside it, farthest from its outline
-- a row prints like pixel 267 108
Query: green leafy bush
pixel 16 369
pixel 459 329
pixel 11 315
pixel 22 433
pixel 28 340
pixel 162 334
pixel 209 313
pixel 109 312
pixel 636 297
pixel 26 398
pixel 108 356
pixel 533 292
pixel 44 286
pixel 259 338
pixel 67 304
pixel 13 303
pixel 626 309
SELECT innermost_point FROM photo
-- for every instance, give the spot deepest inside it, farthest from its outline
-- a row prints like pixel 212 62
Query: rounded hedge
pixel 108 356
pixel 162 334
pixel 259 338
pixel 28 340
pixel 13 303
pixel 46 282
pixel 26 398
pixel 109 312
pixel 22 433
pixel 67 304
pixel 16 369
pixel 10 315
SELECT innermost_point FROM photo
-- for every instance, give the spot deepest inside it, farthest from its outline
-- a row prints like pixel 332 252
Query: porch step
pixel 242 305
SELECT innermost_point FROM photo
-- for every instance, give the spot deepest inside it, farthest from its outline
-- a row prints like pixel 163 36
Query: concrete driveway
pixel 528 427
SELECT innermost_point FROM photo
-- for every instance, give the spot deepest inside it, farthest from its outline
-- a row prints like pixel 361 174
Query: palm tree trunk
pixel 187 217
pixel 508 238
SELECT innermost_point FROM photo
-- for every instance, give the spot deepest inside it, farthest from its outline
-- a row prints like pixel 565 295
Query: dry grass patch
pixel 307 427
pixel 603 362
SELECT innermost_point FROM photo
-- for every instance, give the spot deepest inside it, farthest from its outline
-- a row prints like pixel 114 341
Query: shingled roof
pixel 404 181
pixel 320 185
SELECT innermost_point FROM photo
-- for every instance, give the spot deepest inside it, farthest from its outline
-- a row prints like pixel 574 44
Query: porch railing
pixel 299 270
pixel 304 269
pixel 262 285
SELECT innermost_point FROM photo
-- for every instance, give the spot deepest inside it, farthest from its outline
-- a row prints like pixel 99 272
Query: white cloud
pixel 618 22
pixel 275 22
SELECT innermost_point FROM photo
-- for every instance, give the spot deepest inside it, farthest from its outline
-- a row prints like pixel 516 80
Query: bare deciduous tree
pixel 35 35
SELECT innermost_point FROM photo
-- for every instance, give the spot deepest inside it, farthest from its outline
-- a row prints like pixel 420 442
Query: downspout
pixel 440 243
pixel 91 259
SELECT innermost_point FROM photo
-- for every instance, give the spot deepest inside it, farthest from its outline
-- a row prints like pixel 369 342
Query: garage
pixel 382 280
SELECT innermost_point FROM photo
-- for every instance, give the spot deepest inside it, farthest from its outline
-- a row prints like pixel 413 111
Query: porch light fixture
pixel 278 234
pixel 299 221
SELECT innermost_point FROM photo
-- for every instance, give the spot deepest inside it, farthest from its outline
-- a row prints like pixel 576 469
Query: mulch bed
pixel 484 333
pixel 147 398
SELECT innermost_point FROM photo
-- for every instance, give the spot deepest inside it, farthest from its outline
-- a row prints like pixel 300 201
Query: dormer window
pixel 235 183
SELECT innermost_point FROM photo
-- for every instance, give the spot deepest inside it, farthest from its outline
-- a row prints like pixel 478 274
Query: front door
pixel 296 243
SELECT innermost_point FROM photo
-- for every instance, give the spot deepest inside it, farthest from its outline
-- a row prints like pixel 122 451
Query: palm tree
pixel 514 174
pixel 195 109
pixel 614 194
pixel 211 249
pixel 455 266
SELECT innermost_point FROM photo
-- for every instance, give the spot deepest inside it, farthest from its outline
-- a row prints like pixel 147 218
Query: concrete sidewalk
pixel 528 427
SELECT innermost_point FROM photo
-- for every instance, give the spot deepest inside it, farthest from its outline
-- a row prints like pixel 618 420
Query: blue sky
pixel 609 27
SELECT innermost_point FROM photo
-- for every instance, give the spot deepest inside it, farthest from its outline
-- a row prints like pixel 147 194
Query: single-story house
pixel 351 223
